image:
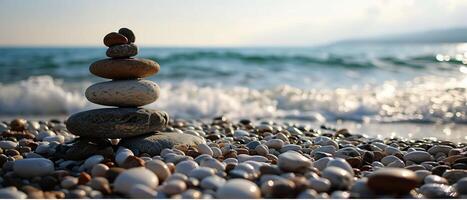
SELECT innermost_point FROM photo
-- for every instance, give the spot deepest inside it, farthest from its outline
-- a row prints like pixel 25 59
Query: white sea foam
pixel 424 99
pixel 39 95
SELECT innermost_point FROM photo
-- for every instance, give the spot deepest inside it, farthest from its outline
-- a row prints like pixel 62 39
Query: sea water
pixel 410 90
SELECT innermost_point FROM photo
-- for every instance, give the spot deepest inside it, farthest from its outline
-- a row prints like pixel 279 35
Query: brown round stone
pixel 114 38
pixel 18 124
pixel 128 34
pixel 83 178
pixel 128 68
pixel 392 180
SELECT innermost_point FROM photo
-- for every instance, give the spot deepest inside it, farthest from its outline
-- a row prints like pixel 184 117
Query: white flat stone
pixel 126 93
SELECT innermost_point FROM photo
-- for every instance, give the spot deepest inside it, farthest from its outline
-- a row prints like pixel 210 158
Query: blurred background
pixel 396 68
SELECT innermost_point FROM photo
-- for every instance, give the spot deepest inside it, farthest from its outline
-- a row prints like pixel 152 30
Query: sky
pixel 220 22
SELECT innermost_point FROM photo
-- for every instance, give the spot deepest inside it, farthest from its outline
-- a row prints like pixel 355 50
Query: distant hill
pixel 454 35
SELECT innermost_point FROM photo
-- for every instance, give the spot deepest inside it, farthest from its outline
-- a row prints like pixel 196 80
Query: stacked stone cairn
pixel 136 127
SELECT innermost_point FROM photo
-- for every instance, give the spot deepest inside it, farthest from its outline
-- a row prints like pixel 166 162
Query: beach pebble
pixel 122 154
pixel 238 189
pixel 340 179
pixel 347 152
pixel 212 182
pixel 123 93
pixel 204 149
pixel 191 194
pixel 114 38
pixel 201 172
pixel 324 141
pixel 326 149
pixel 389 159
pixel 292 161
pixel 126 180
pixel 99 170
pixel 322 163
pixel 140 191
pixel 319 184
pixel 438 191
pixel 275 143
pixel 213 163
pixel 128 34
pixel 185 167
pixel 308 194
pixel 173 187
pixel 435 179
pixel 454 175
pixel 159 168
pixel 93 160
pixel 96 123
pixel 69 181
pixel 122 51
pixel 6 144
pixel 341 163
pixel 238 134
pixel 390 150
pixel 18 124
pixel 33 167
pixel 124 68
pixel 154 143
pixel 12 193
pixel 461 186
pixel 418 156
pixel 439 149
pixel 383 180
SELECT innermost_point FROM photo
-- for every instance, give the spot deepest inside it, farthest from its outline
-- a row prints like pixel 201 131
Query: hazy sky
pixel 220 22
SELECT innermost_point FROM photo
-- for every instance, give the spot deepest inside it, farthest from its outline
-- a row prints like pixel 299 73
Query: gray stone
pixel 154 143
pixel 123 93
pixel 340 179
pixel 454 175
pixel 116 122
pixel 437 191
pixel 418 156
pixel 293 161
pixel 461 186
pixel 122 51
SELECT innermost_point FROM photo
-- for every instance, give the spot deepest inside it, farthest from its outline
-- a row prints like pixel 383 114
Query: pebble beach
pixel 241 159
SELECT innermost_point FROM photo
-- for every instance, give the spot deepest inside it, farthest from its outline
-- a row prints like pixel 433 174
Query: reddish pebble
pixel 114 38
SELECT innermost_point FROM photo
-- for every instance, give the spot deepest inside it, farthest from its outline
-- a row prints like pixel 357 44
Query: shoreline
pixel 443 131
pixel 239 159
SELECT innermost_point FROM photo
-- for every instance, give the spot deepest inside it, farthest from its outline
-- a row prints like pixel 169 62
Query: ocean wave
pixel 426 99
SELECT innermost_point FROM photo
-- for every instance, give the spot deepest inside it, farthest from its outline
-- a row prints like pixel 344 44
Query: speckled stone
pixel 126 68
pixel 123 93
pixel 116 122
pixel 122 51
